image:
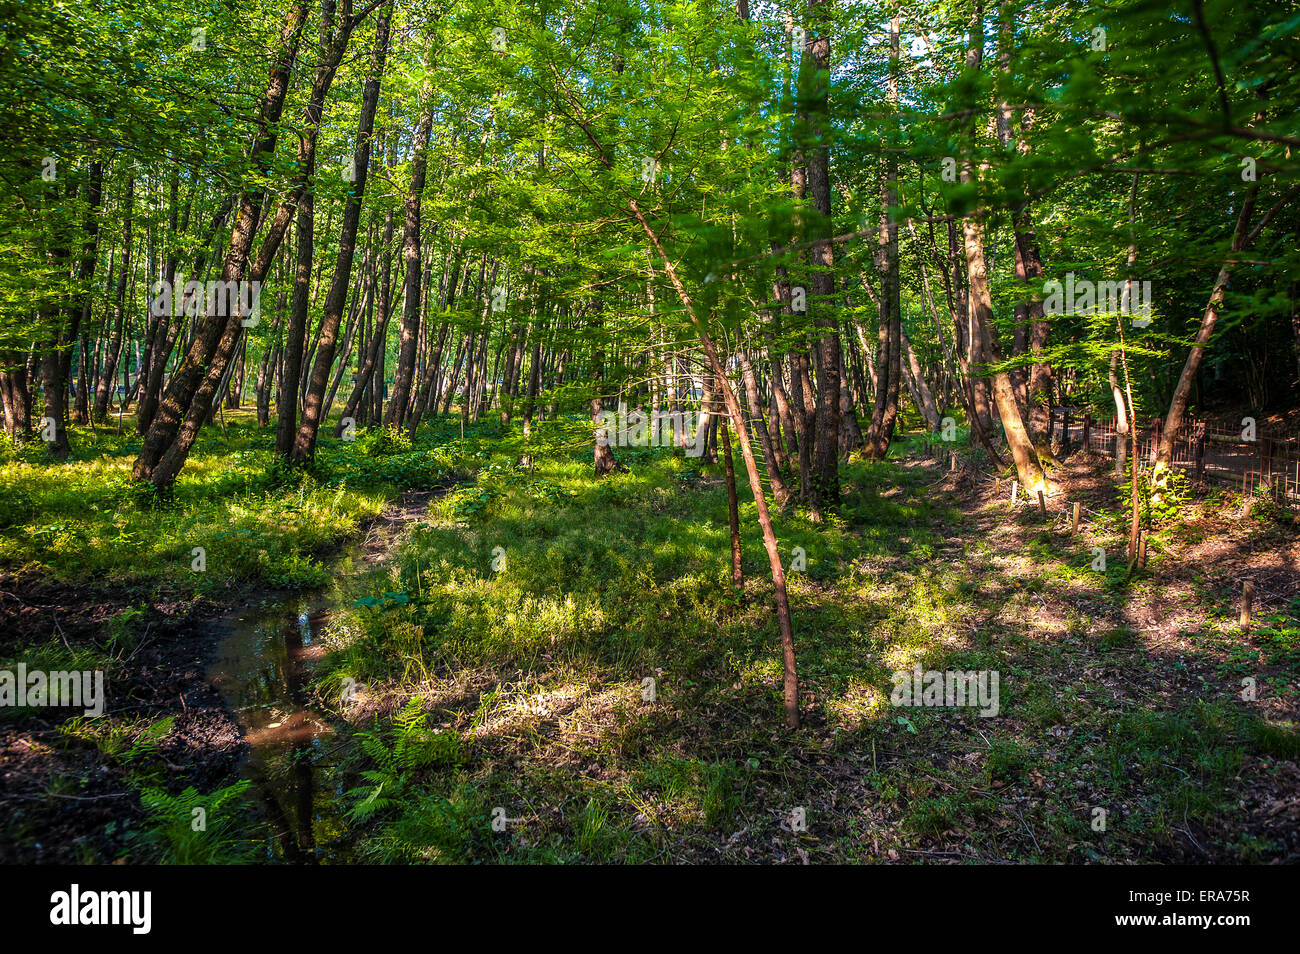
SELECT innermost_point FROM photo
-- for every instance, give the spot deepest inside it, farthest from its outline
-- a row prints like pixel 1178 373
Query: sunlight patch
pixel 862 702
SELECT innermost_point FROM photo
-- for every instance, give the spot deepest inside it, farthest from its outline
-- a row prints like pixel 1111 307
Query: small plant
pixel 1160 508
pixel 1007 760
pixel 124 743
pixel 1275 740
pixel 122 628
pixel 383 441
pixel 434 828
pixel 591 831
pixel 721 796
pixel 194 829
pixel 470 502
pixel 409 747
pixel 1116 638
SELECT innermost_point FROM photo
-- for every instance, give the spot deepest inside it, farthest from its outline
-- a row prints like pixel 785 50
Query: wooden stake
pixel 1074 524
pixel 1015 488
pixel 1042 503
pixel 1247 599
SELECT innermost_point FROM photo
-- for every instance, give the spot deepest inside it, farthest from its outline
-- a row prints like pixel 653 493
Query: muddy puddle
pixel 262 667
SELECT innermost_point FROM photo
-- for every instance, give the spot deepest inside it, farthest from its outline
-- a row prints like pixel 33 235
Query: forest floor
pixel 75 783
pixel 504 633
pixel 95 577
pixel 1118 695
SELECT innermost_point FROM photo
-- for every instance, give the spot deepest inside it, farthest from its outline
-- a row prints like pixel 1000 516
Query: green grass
pixel 84 520
pixel 539 663
pixel 576 679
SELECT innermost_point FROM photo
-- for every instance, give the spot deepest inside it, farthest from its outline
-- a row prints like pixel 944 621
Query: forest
pixel 650 432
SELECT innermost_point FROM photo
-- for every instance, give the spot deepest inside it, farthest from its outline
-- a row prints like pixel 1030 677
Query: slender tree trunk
pixel 1121 415
pixel 17 399
pixel 790 678
pixel 411 250
pixel 304 442
pixel 333 43
pixel 603 452
pixel 980 300
pixel 1035 394
pixel 104 391
pixel 1028 468
pixel 921 391
pixel 373 361
pixel 826 444
pixel 163 436
pixel 1242 237
pixel 81 407
pixel 780 492
pixel 58 360
pixel 733 511
pixel 267 372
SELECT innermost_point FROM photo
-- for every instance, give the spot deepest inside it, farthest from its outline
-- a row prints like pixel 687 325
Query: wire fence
pixel 1259 464
pixel 1071 516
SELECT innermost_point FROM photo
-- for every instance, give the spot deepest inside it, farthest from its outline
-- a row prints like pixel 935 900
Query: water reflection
pixel 262 670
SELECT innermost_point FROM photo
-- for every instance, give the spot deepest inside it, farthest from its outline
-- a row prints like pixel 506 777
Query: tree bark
pixel 104 391
pixel 58 360
pixel 780 492
pixel 790 678
pixel 164 437
pixel 733 512
pixel 921 391
pixel 825 488
pixel 1242 237
pixel 304 442
pixel 411 251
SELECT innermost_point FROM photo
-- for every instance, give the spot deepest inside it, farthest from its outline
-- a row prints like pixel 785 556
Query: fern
pixel 146 743
pixel 413 747
pixel 172 837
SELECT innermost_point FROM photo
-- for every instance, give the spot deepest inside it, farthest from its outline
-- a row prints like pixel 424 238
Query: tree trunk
pixel 825 487
pixel 58 360
pixel 980 304
pixel 921 391
pixel 411 250
pixel 1241 239
pixel 780 492
pixel 333 43
pixel 790 677
pixel 104 391
pixel 373 361
pixel 1028 468
pixel 163 437
pixel 304 442
pixel 733 512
